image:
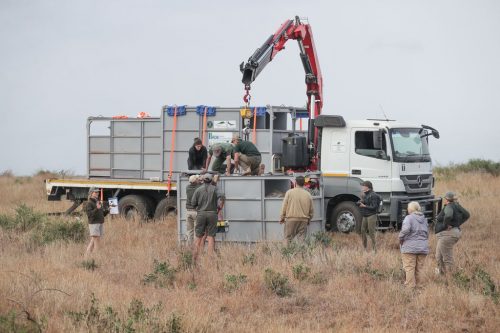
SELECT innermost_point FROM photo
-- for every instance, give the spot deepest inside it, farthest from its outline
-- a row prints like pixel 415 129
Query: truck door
pixel 370 157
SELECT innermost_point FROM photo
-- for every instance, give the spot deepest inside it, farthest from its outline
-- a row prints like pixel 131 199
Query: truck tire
pixel 134 207
pixel 167 206
pixel 346 217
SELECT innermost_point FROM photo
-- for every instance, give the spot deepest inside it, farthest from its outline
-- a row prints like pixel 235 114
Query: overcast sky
pixel 431 62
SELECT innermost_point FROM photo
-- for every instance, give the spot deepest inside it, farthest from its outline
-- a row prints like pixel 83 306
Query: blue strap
pixel 200 110
pixel 181 110
pixel 261 110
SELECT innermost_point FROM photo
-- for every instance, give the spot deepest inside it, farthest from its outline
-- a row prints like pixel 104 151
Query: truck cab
pixel 393 155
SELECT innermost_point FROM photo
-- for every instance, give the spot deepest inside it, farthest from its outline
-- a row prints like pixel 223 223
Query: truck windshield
pixel 409 146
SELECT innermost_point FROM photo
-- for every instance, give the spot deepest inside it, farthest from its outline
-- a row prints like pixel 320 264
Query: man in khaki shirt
pixel 297 211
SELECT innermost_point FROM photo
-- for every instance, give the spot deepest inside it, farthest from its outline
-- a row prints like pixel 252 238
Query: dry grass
pixel 346 289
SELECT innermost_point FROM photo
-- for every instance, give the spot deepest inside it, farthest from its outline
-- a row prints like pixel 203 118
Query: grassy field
pixel 142 281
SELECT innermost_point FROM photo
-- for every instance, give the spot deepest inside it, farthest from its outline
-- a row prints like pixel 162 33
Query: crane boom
pixel 302 33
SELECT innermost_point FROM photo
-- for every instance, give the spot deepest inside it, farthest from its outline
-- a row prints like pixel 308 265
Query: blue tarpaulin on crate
pixel 200 110
pixel 181 110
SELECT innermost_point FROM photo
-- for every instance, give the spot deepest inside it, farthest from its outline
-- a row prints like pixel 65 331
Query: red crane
pixel 302 33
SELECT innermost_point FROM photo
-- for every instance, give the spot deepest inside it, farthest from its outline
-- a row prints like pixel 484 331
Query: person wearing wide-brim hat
pixel 95 214
pixel 452 216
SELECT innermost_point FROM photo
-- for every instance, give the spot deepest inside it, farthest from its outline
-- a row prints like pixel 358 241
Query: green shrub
pixel 277 283
pixel 300 272
pixel 10 322
pixel 89 265
pixel 138 318
pixel 249 259
pixel 292 249
pixel 59 230
pixel 473 165
pixel 163 275
pixel 185 260
pixel 24 220
pixel 233 282
pixel 320 238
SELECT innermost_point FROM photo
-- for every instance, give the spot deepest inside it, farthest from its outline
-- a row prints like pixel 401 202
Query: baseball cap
pixel 207 177
pixel 93 189
pixel 450 196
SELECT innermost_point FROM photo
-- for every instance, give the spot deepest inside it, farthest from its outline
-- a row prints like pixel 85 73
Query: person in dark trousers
pixel 95 214
pixel 368 206
pixel 452 216
pixel 197 155
pixel 205 200
pixel 247 156
pixel 190 210
pixel 297 211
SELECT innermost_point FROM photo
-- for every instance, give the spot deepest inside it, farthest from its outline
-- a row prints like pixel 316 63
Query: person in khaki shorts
pixel 190 209
pixel 452 215
pixel 96 212
pixel 368 206
pixel 297 211
pixel 414 241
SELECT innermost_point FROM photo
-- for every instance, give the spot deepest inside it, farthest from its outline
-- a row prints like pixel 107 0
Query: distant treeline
pixel 473 165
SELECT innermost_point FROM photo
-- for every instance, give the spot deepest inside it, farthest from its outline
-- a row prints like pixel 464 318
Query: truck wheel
pixel 167 206
pixel 346 217
pixel 134 207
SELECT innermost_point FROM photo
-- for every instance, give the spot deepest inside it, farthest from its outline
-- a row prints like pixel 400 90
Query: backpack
pixel 462 214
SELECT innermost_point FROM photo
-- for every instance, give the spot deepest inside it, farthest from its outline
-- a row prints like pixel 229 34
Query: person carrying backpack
pixel 448 231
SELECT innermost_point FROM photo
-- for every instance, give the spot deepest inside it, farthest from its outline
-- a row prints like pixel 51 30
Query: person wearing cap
pixel 296 211
pixel 223 153
pixel 247 155
pixel 95 214
pixel 368 206
pixel 190 209
pixel 205 200
pixel 414 242
pixel 452 216
pixel 197 155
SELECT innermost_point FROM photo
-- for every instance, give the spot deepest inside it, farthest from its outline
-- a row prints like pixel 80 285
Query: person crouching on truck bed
pixel 95 214
pixel 368 205
pixel 205 201
pixel 223 153
pixel 197 155
pixel 248 156
pixel 194 183
pixel 296 211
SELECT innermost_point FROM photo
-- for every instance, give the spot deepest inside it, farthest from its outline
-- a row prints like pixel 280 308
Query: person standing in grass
pixel 414 242
pixel 205 200
pixel 368 205
pixel 95 214
pixel 190 209
pixel 296 211
pixel 451 217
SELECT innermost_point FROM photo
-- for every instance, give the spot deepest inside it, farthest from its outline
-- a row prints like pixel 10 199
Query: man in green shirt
pixel 223 153
pixel 247 155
